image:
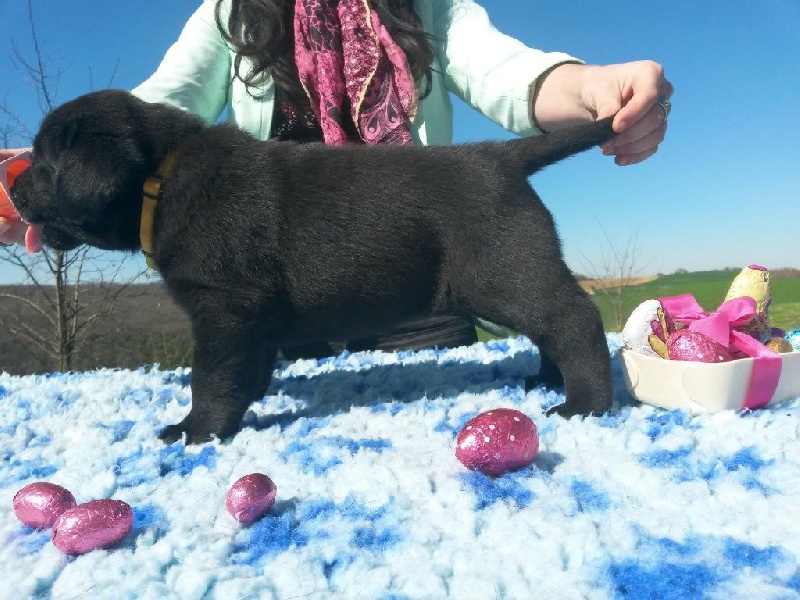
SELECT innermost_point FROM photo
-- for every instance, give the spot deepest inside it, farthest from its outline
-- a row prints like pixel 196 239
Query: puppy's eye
pixel 43 173
pixel 72 131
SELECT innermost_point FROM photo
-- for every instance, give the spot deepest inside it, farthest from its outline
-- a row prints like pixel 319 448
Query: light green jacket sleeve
pixel 195 73
pixel 490 71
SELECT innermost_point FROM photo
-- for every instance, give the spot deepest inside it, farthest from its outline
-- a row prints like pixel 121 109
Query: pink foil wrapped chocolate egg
pixel 251 497
pixel 686 344
pixel 95 524
pixel 498 441
pixel 40 504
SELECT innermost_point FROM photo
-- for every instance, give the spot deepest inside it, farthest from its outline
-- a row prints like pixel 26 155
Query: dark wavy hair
pixel 263 31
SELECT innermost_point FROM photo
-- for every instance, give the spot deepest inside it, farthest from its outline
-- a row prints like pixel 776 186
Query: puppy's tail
pixel 534 153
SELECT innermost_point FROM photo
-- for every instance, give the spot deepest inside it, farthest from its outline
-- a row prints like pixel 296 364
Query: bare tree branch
pixel 14 128
pixel 70 295
pixel 614 271
pixel 27 302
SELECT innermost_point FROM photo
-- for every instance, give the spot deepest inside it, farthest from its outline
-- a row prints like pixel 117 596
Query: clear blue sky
pixel 724 190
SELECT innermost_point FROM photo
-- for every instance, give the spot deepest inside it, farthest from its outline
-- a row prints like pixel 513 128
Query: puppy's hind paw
pixel 563 410
pixel 568 411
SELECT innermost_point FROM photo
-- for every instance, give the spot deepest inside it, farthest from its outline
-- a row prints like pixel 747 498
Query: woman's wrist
pixel 557 97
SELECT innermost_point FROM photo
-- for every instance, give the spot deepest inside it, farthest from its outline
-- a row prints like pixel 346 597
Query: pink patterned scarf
pixel 346 57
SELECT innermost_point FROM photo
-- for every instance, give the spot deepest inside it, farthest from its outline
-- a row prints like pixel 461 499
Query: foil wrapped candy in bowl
pixel 678 356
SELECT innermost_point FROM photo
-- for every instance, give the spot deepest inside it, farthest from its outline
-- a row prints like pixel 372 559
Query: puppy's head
pixel 90 159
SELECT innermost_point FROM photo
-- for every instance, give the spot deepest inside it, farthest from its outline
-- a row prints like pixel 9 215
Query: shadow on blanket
pixel 400 383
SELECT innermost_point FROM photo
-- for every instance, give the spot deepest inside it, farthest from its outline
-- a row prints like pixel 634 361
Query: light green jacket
pixel 488 70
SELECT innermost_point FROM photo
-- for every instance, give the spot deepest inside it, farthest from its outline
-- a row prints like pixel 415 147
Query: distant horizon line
pixel 577 274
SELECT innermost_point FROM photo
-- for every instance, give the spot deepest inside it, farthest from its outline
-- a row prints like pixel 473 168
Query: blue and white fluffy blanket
pixel 372 504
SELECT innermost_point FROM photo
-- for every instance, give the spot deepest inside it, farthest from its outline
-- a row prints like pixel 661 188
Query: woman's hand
pixel 9 152
pixel 636 92
pixel 12 231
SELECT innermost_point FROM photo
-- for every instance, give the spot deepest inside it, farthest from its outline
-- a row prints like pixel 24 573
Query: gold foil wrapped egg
pixel 779 345
pixel 753 281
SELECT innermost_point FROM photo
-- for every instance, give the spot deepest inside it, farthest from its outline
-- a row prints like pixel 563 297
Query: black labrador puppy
pixel 270 244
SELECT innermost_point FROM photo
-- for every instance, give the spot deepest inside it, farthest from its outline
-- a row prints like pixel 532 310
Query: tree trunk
pixel 63 355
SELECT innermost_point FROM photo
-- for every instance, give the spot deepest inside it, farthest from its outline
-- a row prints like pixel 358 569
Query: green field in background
pixel 709 289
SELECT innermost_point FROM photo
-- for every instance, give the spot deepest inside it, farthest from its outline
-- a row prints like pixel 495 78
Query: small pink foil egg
pixel 95 524
pixel 40 504
pixel 695 346
pixel 498 441
pixel 251 497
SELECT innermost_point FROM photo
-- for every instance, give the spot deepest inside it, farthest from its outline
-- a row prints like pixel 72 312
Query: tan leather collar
pixel 152 194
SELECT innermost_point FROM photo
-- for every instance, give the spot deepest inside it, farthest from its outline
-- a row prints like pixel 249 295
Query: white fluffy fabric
pixel 639 503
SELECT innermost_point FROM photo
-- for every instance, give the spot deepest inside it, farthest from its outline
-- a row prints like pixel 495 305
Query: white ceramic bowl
pixel 701 387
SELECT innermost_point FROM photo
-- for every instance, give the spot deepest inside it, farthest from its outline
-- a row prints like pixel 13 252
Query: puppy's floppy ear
pixel 96 171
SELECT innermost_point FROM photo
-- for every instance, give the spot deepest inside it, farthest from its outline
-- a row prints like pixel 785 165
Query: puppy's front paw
pixel 200 430
pixel 194 435
pixel 171 434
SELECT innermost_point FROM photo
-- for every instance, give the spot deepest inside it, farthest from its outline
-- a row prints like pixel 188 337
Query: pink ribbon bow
pixel 720 326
